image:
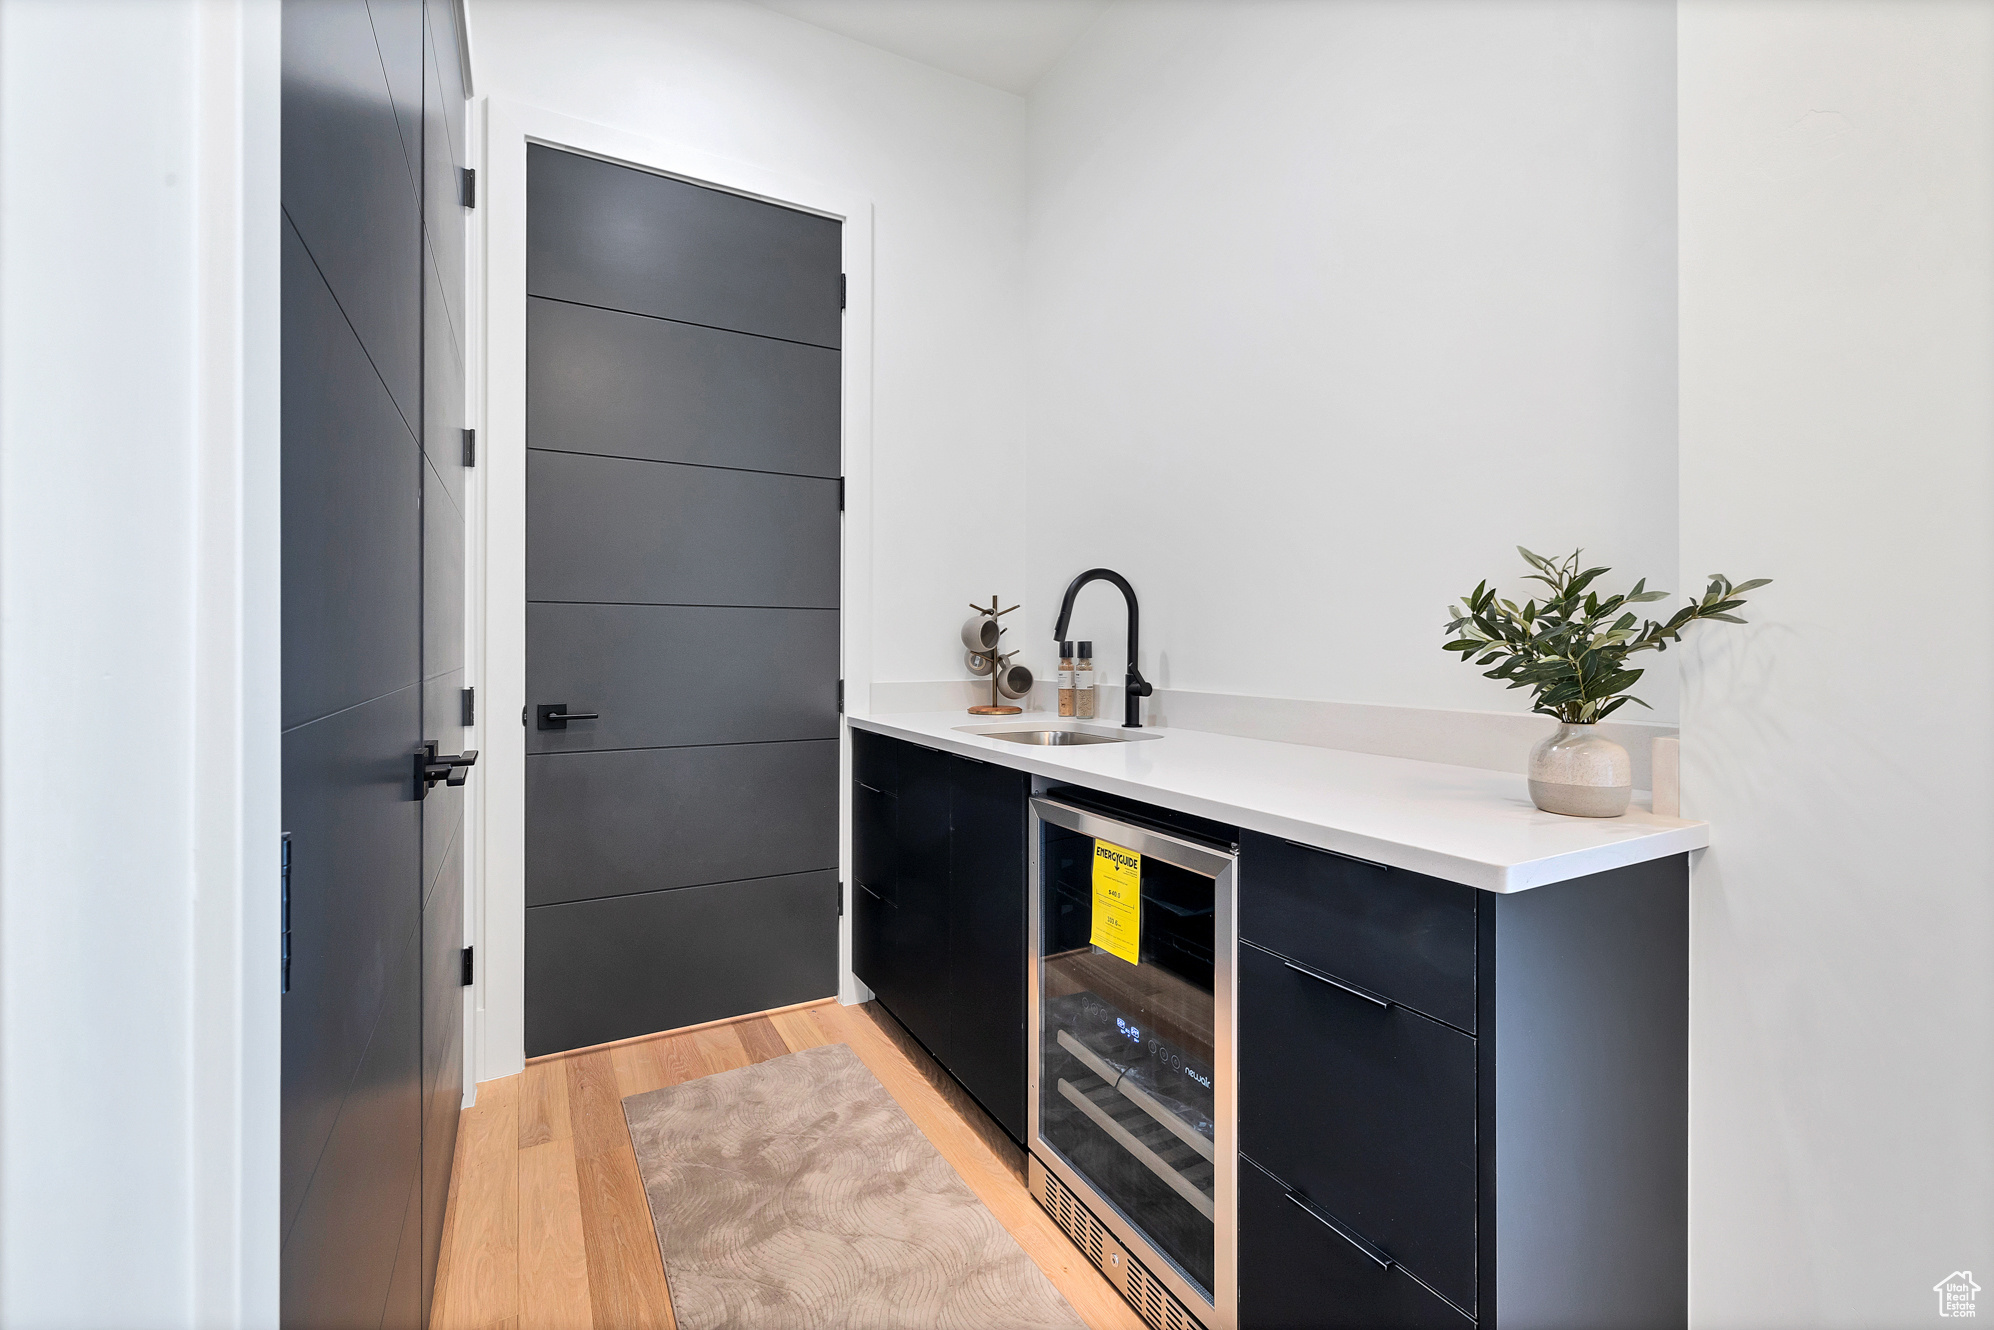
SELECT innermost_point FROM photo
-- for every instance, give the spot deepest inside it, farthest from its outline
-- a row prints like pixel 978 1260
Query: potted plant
pixel 1571 650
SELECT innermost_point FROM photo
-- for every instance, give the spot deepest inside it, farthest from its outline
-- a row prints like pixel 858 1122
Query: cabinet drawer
pixel 987 945
pixel 872 940
pixel 920 932
pixel 875 842
pixel 1401 935
pixel 1368 1109
pixel 1297 1273
pixel 876 761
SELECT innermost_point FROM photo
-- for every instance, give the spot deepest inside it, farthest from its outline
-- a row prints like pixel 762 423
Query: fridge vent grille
pixel 1152 1301
pixel 1155 1303
pixel 1075 1218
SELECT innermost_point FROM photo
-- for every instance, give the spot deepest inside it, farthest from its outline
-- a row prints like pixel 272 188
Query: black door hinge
pixel 841 290
pixel 522 715
pixel 841 900
pixel 468 969
pixel 841 697
pixel 470 188
pixel 470 447
pixel 841 494
pixel 284 916
pixel 470 708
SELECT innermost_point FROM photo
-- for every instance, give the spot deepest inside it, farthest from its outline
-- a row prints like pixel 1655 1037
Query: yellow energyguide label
pixel 1118 901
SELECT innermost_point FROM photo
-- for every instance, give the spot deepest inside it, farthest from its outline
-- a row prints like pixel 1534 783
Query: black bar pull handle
pixel 555 715
pixel 1370 1252
pixel 1320 977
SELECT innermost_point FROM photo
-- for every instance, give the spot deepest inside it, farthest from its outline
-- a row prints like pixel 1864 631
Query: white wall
pixel 139 656
pixel 1838 435
pixel 1333 305
pixel 941 159
pixel 1330 305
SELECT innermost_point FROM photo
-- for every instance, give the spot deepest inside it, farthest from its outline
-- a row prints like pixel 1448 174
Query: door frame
pixel 495 868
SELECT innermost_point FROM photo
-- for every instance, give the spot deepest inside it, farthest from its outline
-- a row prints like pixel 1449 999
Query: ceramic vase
pixel 1580 774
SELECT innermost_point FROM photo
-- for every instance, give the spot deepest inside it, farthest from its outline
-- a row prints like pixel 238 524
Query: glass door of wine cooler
pixel 1132 1040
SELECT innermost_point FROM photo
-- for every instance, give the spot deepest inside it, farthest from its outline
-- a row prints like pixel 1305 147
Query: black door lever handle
pixel 449 768
pixel 555 715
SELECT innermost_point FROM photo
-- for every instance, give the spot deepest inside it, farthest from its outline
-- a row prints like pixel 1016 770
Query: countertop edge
pixel 1498 878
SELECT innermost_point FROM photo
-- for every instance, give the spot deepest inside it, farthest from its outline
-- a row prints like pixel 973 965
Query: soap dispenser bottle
pixel 1086 702
pixel 1066 678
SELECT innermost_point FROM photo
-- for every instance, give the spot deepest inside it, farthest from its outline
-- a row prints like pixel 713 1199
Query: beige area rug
pixel 795 1193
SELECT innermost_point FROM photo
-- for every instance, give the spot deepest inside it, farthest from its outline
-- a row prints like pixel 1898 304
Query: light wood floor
pixel 547 1226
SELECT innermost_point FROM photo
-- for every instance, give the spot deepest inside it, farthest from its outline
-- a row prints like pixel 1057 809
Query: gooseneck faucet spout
pixel 1134 686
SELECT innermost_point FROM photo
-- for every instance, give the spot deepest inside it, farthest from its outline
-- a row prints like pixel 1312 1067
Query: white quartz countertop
pixel 1459 823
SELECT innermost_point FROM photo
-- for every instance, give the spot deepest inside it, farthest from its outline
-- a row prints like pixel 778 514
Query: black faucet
pixel 1134 686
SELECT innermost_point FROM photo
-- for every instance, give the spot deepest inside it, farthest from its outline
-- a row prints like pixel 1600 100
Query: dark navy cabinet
pixel 1456 1107
pixel 1321 1064
pixel 938 909
pixel 1403 936
pixel 1296 1273
pixel 1459 1106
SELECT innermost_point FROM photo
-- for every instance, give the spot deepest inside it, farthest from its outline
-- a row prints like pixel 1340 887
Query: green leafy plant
pixel 1572 649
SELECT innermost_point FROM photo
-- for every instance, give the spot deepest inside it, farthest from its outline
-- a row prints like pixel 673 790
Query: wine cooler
pixel 1133 1131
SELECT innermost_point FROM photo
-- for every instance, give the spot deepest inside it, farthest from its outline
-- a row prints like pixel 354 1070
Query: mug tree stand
pixel 993 662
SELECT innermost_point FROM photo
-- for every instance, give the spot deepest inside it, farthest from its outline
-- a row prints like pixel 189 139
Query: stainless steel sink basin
pixel 1055 737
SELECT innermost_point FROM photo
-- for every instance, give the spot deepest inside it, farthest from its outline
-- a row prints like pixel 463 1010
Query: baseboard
pixel 614 1044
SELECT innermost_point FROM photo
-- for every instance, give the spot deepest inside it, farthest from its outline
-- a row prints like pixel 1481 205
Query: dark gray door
pixel 448 703
pixel 373 661
pixel 682 595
